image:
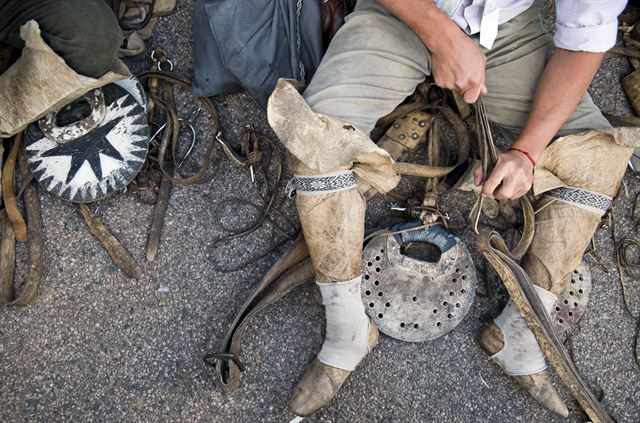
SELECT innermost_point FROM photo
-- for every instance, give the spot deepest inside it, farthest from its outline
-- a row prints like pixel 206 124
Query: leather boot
pixel 326 155
pixel 538 385
pixel 333 228
pixel 589 169
pixel 322 382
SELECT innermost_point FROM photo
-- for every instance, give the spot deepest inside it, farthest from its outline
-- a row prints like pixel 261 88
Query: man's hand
pixel 511 178
pixel 456 61
pixel 458 64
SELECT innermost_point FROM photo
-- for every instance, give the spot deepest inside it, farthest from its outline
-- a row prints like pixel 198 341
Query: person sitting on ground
pixel 532 84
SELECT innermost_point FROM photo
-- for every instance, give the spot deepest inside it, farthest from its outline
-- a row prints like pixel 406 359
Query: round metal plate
pixel 413 300
pixel 572 304
pixel 95 164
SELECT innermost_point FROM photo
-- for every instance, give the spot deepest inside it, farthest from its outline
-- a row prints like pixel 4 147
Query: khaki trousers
pixel 375 61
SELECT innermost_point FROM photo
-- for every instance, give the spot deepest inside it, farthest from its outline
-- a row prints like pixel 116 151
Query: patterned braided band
pixel 321 184
pixel 587 200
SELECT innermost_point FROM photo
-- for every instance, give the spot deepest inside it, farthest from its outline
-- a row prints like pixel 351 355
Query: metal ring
pixel 166 61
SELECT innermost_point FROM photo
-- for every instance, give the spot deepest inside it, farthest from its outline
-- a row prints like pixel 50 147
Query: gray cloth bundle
pixel 249 44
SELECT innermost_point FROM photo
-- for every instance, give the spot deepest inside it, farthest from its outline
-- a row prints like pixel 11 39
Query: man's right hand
pixel 456 61
pixel 458 64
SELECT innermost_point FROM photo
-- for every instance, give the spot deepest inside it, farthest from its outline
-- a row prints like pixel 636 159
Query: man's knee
pixel 85 33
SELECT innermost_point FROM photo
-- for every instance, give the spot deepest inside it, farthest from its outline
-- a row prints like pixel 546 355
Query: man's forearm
pixel 456 61
pixel 422 16
pixel 561 87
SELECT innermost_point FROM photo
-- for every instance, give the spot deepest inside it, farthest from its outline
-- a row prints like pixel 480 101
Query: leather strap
pixel 34 232
pixel 523 294
pixel 290 271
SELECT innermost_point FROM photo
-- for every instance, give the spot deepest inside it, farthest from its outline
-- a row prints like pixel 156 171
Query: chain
pixel 299 41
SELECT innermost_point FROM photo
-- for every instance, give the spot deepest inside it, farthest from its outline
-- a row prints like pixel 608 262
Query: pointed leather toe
pixel 317 387
pixel 538 385
pixel 321 383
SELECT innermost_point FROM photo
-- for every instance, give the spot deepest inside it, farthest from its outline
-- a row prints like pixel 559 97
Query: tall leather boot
pixel 584 172
pixel 331 210
pixel 39 83
pixel 327 155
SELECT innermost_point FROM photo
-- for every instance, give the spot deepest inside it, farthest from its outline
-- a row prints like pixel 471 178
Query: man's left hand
pixel 511 178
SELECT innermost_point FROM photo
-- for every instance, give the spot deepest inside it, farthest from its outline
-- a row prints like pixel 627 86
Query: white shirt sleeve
pixel 587 25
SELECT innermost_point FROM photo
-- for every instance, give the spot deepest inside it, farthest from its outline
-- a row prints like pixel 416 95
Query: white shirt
pixel 587 25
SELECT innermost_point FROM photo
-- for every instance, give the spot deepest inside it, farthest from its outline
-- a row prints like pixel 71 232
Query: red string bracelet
pixel 526 154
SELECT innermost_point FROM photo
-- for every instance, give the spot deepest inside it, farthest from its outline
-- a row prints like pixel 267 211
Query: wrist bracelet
pixel 526 154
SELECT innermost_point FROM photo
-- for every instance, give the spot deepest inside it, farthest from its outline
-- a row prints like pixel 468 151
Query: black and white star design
pixel 99 163
pixel 80 150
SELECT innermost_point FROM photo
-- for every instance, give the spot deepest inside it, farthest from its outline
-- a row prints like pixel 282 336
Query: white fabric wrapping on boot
pixel 346 340
pixel 521 354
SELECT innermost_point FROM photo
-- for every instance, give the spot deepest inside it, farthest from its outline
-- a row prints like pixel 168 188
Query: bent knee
pixel 86 34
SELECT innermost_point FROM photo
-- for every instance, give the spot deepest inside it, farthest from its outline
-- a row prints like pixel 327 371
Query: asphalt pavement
pixel 97 346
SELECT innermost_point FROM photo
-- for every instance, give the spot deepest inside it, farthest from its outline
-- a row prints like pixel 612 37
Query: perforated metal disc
pixel 90 161
pixel 572 304
pixel 414 300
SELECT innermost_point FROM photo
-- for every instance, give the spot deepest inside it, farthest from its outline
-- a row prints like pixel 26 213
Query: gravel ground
pixel 96 346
